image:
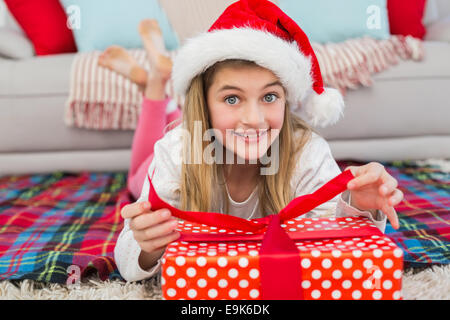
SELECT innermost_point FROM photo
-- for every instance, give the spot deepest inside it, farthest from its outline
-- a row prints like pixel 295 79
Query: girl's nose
pixel 253 114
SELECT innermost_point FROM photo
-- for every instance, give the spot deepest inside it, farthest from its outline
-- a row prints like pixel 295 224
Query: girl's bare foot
pixel 119 60
pixel 153 41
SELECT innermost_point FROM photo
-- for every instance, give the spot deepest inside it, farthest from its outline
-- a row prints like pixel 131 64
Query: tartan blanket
pixel 424 213
pixel 101 99
pixel 56 225
pixel 61 227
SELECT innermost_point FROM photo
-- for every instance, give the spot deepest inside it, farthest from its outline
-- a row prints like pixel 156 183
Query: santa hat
pixel 259 31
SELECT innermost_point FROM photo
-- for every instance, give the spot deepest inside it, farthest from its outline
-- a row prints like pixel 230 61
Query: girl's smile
pixel 252 136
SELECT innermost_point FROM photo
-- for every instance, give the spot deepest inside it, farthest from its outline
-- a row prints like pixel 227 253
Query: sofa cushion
pixel 35 123
pixel 439 30
pixel 443 8
pixel 33 93
pixel 405 101
pixel 394 109
pixel 434 65
pixel 42 75
pixel 431 12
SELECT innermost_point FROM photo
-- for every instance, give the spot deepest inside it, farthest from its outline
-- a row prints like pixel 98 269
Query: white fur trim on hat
pixel 283 58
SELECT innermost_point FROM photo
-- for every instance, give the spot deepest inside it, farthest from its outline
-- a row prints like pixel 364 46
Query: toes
pixel 117 52
pixel 113 51
pixel 102 58
pixel 143 26
pixel 104 62
pixel 148 25
pixel 110 49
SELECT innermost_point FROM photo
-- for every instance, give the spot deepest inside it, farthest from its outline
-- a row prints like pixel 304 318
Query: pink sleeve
pixel 155 115
pixel 150 129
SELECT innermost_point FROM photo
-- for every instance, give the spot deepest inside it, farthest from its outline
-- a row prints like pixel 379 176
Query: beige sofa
pixel 405 115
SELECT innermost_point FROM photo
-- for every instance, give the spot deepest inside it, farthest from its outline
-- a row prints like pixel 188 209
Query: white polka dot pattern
pixel 348 268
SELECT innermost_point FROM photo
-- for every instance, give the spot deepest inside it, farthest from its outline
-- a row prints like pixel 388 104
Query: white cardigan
pixel 315 168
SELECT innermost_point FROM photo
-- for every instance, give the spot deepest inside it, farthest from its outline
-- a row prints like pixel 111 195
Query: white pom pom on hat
pixel 259 31
pixel 321 110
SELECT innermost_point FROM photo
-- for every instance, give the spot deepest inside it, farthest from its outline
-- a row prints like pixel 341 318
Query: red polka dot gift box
pixel 281 256
pixel 352 268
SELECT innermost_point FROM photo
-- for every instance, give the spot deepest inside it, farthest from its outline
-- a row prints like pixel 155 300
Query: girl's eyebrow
pixel 275 83
pixel 228 87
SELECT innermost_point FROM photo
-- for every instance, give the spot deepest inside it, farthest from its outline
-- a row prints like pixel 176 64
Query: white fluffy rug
pixel 431 284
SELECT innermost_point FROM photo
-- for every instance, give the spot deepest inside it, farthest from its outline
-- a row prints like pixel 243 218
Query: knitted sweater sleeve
pixel 315 168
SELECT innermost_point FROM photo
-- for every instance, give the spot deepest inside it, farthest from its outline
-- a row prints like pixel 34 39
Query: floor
pixel 429 284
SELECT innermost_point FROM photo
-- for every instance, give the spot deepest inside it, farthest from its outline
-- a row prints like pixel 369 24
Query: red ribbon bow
pixel 278 250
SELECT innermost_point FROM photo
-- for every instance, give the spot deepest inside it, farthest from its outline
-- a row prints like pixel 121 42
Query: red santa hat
pixel 259 31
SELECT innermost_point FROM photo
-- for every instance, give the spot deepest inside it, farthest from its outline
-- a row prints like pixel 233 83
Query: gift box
pixel 281 256
pixel 367 267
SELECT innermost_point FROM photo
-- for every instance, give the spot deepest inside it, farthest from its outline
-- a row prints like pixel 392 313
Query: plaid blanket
pixel 424 213
pixel 56 225
pixel 61 227
pixel 101 99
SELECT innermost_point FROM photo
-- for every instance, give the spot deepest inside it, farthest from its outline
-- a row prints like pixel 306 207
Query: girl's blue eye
pixel 232 100
pixel 272 97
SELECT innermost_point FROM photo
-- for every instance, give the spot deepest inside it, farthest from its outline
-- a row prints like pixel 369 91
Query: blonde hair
pixel 198 180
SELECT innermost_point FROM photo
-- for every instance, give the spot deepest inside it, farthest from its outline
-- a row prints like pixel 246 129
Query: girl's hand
pixel 153 230
pixel 374 188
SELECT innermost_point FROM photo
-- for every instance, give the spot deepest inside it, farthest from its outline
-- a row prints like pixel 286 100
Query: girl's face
pixel 246 107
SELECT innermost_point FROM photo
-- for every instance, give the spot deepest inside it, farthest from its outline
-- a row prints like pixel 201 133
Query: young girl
pixel 253 80
pixel 158 111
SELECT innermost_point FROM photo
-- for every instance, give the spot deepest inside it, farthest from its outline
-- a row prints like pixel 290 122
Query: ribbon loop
pixel 295 208
pixel 304 204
